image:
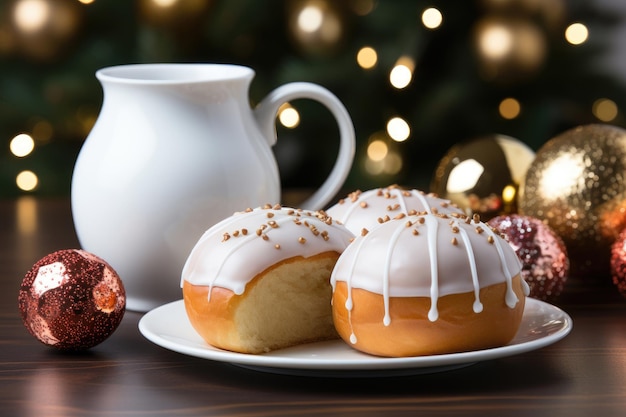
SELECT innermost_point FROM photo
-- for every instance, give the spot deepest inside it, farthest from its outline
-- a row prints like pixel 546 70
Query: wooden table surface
pixel 581 375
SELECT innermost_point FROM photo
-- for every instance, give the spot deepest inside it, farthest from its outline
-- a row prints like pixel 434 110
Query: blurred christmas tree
pixel 443 71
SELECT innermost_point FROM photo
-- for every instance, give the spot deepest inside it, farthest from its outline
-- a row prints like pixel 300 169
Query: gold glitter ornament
pixel 576 185
pixel 482 175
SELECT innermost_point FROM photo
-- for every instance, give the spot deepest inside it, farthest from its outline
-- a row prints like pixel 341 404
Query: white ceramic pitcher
pixel 176 148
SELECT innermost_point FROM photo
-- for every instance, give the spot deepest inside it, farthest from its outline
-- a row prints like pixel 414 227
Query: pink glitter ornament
pixel 71 300
pixel 618 262
pixel 545 264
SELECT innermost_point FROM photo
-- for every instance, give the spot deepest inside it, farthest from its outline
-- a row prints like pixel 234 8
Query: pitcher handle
pixel 265 114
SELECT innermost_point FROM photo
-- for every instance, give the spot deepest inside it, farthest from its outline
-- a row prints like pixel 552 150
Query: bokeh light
pixel 31 15
pixel 288 116
pixel 22 145
pixel 576 33
pixel 509 108
pixel 605 109
pixel 402 73
pixel 432 18
pixel 26 180
pixel 398 129
pixel 367 57
pixel 377 150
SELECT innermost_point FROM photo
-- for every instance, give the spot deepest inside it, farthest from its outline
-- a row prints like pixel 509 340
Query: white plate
pixel 169 327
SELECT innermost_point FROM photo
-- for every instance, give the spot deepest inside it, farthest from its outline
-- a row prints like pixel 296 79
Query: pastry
pixel 260 279
pixel 428 284
pixel 367 209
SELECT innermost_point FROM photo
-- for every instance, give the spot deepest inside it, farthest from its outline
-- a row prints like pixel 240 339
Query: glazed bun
pixel 428 284
pixel 260 279
pixel 367 209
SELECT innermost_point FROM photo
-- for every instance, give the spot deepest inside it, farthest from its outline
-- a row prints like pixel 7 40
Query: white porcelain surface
pixel 175 149
pixel 168 326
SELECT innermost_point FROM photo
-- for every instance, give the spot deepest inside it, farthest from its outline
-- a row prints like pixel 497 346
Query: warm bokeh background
pixel 445 71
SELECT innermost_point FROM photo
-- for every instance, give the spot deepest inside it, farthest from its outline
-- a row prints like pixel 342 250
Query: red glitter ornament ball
pixel 71 300
pixel 618 262
pixel 545 264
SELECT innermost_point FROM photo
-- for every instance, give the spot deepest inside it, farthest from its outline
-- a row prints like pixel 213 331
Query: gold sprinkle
pixel 236 233
pixel 400 216
pixel 244 232
pixel 259 232
pixel 267 206
pixel 415 232
pixel 273 224
pixel 301 240
pixel 479 230
pixel 490 239
pixel 412 212
pixel 408 224
pixel 406 193
pixel 476 217
pixel 364 231
pixel 270 215
pixel 454 241
pixel 277 246
pixel 434 210
pixel 325 235
pixel 277 207
pixel 248 210
pixel 341 201
pixel 455 229
pixel 363 204
pixel 422 220
pixel 264 236
pixel 226 237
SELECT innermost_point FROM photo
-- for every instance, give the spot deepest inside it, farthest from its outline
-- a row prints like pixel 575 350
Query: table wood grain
pixel 582 375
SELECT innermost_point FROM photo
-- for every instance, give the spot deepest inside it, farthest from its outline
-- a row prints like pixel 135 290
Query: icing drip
pixel 349 305
pixel 422 198
pixel 432 224
pixel 386 281
pixel 510 297
pixel 478 306
pixel 240 287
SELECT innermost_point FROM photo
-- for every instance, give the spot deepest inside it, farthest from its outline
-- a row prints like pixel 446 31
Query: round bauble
pixel 545 264
pixel 576 185
pixel 482 175
pixel 71 300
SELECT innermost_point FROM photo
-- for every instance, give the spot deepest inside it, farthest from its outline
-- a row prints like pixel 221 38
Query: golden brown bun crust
pixel 285 305
pixel 410 333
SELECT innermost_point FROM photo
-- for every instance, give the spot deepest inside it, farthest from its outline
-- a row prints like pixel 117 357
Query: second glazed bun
pixel 428 284
pixel 361 210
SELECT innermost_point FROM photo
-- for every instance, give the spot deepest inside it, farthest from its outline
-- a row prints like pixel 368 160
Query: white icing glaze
pixel 428 255
pixel 362 210
pixel 235 250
